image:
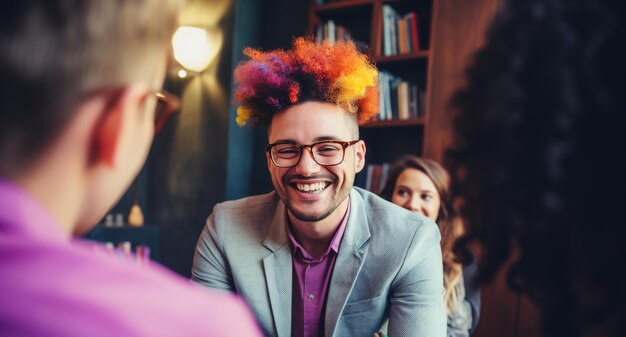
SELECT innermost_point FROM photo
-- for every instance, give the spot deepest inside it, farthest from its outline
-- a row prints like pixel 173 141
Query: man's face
pixel 311 191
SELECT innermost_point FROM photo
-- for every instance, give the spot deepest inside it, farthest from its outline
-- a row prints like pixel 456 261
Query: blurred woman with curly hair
pixel 536 160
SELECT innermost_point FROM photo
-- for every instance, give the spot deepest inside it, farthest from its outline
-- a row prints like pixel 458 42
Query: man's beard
pixel 305 216
pixel 310 217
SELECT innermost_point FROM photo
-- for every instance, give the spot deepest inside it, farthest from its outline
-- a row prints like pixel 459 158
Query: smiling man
pixel 317 256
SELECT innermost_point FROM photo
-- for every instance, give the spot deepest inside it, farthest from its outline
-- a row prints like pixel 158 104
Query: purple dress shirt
pixel 52 285
pixel 311 279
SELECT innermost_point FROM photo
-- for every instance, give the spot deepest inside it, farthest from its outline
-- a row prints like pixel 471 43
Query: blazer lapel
pixel 278 272
pixel 351 255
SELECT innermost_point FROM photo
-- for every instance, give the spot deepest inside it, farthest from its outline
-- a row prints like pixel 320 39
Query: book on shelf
pixel 319 34
pixel 413 102
pixel 393 96
pixel 381 97
pixel 376 177
pixel 403 100
pixel 398 99
pixel 400 32
pixel 384 173
pixel 331 32
pixel 387 96
pixel 402 47
pixel 421 99
pixel 387 19
pixel 414 36
pixel 393 34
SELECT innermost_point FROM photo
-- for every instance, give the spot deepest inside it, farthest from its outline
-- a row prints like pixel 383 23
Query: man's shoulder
pixel 252 202
pixel 250 211
pixel 390 220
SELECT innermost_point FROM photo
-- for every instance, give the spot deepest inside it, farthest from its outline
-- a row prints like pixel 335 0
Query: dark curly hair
pixel 536 158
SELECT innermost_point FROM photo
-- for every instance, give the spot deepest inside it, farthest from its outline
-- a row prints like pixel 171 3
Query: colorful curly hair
pixel 273 81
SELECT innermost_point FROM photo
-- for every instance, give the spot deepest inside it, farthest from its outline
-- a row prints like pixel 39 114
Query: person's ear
pixel 359 155
pixel 107 134
pixel 269 160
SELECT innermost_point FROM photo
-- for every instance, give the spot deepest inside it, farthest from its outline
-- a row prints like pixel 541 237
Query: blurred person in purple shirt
pixel 78 107
pixel 317 256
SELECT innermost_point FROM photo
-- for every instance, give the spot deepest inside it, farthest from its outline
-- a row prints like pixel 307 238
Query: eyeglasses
pixel 325 153
pixel 167 104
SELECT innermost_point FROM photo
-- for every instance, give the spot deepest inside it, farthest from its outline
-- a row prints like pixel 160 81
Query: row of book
pixel 331 32
pixel 399 99
pixel 373 177
pixel 400 33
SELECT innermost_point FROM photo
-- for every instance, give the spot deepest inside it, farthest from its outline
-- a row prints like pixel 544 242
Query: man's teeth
pixel 311 187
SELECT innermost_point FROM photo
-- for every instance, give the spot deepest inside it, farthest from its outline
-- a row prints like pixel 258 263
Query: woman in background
pixel 422 186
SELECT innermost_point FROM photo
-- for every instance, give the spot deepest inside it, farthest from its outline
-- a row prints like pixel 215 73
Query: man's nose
pixel 307 164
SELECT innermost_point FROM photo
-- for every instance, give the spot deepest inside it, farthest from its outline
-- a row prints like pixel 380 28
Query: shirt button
pixel 311 297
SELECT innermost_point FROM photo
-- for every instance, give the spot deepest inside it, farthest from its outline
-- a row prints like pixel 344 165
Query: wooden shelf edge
pixel 342 5
pixel 394 123
pixel 422 54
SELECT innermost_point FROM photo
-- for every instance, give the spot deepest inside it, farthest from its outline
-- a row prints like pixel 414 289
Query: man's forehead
pixel 311 123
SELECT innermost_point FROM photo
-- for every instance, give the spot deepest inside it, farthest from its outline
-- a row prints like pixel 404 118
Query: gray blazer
pixel 388 266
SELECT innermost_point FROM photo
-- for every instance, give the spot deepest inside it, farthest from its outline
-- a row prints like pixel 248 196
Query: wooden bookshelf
pixel 343 5
pixel 422 54
pixel 389 136
pixel 395 123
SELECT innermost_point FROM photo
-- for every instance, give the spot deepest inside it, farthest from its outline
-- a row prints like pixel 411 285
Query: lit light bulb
pixel 192 48
pixel 182 73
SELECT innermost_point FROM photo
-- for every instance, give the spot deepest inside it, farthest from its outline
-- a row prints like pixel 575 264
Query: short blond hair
pixel 54 52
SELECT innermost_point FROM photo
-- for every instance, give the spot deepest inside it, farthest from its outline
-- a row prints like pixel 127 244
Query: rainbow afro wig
pixel 273 81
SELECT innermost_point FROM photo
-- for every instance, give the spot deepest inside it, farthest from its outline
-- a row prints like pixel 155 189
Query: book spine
pixel 381 96
pixel 377 169
pixel 413 102
pixel 331 32
pixel 394 35
pixel 387 93
pixel 414 31
pixel 393 90
pixel 403 100
pixel 386 30
pixel 402 48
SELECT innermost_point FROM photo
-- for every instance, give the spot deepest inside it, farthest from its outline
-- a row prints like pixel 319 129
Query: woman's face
pixel 417 193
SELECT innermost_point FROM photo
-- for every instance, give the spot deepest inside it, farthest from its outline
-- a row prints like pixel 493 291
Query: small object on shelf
pixel 135 217
pixel 108 220
pixel 119 220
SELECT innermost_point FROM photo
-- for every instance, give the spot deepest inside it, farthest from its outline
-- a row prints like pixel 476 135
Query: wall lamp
pixel 194 49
